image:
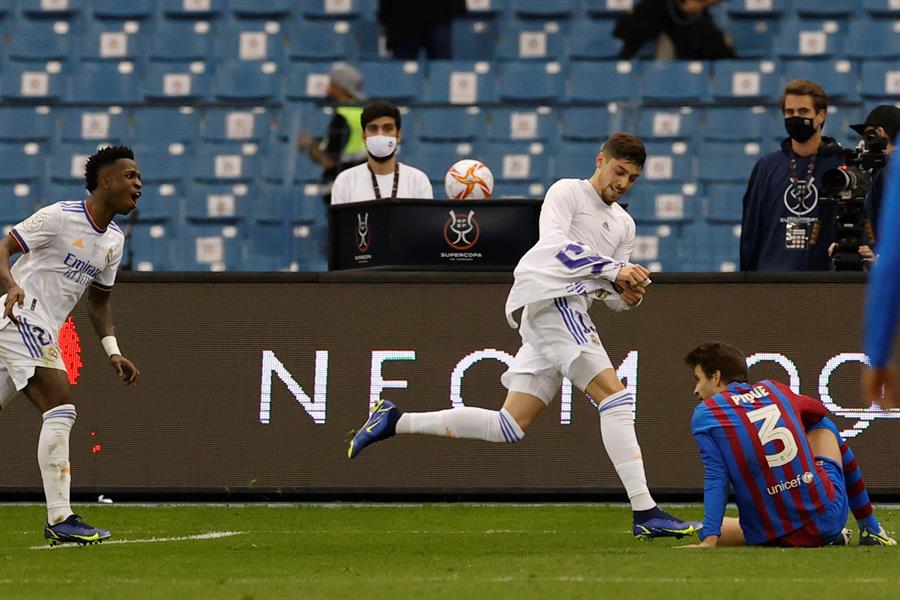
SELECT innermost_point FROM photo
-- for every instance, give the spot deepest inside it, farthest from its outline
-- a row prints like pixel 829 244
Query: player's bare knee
pixel 824 443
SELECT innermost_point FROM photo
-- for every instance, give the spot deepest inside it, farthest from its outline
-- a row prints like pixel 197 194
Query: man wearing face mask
pixel 785 226
pixel 883 121
pixel 382 175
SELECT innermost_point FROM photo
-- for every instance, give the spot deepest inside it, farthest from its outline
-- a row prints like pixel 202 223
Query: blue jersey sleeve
pixel 883 301
pixel 715 485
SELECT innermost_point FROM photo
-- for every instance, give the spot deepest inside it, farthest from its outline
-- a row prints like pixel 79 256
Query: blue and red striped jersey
pixel 753 436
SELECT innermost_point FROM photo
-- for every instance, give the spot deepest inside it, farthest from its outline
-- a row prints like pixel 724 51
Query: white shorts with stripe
pixel 24 347
pixel 558 339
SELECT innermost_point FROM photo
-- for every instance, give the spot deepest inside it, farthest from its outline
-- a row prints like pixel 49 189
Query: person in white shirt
pixel 382 175
pixel 585 243
pixel 68 247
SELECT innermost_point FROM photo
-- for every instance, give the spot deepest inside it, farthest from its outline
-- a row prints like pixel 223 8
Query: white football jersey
pixel 65 252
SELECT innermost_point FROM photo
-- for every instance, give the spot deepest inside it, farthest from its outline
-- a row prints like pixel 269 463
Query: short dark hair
pixel 377 109
pixel 625 146
pixel 105 156
pixel 805 87
pixel 719 356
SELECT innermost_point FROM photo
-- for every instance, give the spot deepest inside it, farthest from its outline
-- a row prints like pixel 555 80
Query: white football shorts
pixel 24 347
pixel 558 339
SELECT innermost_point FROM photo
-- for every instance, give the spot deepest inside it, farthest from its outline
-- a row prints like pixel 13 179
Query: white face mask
pixel 381 146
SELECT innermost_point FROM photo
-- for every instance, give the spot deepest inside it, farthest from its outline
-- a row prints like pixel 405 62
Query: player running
pixel 795 480
pixel 67 246
pixel 585 242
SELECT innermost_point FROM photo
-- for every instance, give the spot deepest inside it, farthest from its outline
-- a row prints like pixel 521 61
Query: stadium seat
pixel 112 41
pixel 271 204
pixel 670 162
pixel 158 166
pixel 396 81
pixel 880 80
pixel 243 81
pixel 320 40
pixel 802 39
pixel 605 9
pixel 453 124
pixel 830 9
pixel 530 82
pixel 753 9
pixel 40 9
pixel 587 123
pixel 18 167
pixel 873 40
pixel 218 203
pixel 882 8
pixel 306 81
pixel 233 167
pixel 26 124
pixel 106 83
pixel 209 247
pixel 518 189
pixel 152 246
pixel 17 202
pixel 574 160
pixel 270 241
pixel 180 41
pixel 254 9
pixel 41 41
pixel 549 9
pixel 753 38
pixel 175 83
pixel 592 40
pixel 724 202
pixel 193 9
pixel 840 78
pixel 675 83
pixel 118 10
pixel 163 126
pixel 664 203
pixel 255 41
pixel 662 124
pixel 66 163
pixel 586 82
pixel 159 202
pixel 738 124
pixel 745 82
pixel 59 191
pixel 517 161
pixel 94 124
pixel 723 161
pixel 220 124
pixel 531 124
pixel 530 41
pixel 21 83
pixel 474 39
pixel 460 82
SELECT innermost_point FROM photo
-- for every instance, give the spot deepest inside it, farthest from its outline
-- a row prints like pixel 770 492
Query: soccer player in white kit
pixel 585 242
pixel 68 247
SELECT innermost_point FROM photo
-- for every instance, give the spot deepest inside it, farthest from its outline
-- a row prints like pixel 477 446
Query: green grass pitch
pixel 453 551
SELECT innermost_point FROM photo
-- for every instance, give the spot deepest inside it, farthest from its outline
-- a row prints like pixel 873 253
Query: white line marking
pixel 212 535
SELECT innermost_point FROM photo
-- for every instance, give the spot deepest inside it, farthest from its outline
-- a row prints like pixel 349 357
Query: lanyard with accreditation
pixel 396 181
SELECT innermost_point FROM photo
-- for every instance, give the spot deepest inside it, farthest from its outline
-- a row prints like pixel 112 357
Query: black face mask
pixel 799 128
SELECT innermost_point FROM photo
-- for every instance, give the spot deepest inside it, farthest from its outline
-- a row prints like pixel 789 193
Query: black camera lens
pixel 836 181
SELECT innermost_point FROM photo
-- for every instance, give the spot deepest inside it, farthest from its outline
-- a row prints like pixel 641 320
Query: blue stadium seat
pixel 605 9
pixel 271 204
pixel 574 160
pixel 667 124
pixel 592 40
pixel 873 40
pixel 254 9
pixel 724 202
pixel 158 166
pixel 549 9
pixel 106 83
pixel 518 189
pixel 601 82
pixel 830 9
pixel 460 82
pixel 21 83
pixel 435 159
pixel 164 126
pixel 752 9
pixel 882 8
pixel 327 9
pixel 181 9
pixel 26 124
pixel 530 82
pixel 159 202
pixel 66 164
pixel 41 41
pixel 232 167
pixel 880 80
pixel 397 81
pixel 803 39
pixel 320 40
pixel 220 124
pixel 722 161
pixel 664 202
pixel 18 167
pixel 94 124
pixel 306 81
pixel 38 9
pixel 112 41
pixel 180 41
pixel 175 83
pixel 738 123
pixel 209 247
pixel 269 247
pixel 252 41
pixel 523 124
pixel 152 246
pixel 670 162
pixel 530 41
pixel 243 81
pixel 453 124
pixel 55 192
pixel 309 246
pixel 218 203
pixel 474 39
pixel 753 38
pixel 588 123
pixel 675 83
pixel 17 202
pixel 116 9
pixel 516 161
pixel 840 78
pixel 745 82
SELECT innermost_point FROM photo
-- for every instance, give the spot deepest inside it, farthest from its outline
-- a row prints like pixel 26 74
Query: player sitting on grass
pixel 793 475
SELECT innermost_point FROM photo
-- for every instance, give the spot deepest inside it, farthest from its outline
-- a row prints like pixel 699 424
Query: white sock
pixel 53 459
pixel 466 422
pixel 620 441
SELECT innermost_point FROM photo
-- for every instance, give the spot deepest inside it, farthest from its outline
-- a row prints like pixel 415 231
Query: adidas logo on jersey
pixel 79 243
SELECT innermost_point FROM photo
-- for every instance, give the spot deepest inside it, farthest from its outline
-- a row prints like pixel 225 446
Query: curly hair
pixel 105 156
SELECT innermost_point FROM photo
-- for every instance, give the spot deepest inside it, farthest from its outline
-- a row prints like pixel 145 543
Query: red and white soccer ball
pixel 469 179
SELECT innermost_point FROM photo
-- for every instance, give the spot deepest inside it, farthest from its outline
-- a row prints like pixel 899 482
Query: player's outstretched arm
pixel 14 294
pixel 100 312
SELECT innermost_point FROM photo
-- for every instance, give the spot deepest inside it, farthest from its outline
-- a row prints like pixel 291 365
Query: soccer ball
pixel 469 179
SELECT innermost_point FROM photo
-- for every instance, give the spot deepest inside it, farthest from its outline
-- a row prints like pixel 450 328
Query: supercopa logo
pixel 363 237
pixel 461 231
pixel 801 198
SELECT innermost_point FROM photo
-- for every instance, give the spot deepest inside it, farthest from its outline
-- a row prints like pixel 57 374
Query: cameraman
pixel 785 227
pixel 883 122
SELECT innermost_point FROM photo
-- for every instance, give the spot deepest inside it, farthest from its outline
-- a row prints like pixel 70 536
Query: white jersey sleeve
pixel 40 229
pixel 623 253
pixel 107 277
pixel 557 210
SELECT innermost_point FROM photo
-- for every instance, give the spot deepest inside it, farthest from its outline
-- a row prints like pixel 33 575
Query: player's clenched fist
pixel 15 295
pixel 630 275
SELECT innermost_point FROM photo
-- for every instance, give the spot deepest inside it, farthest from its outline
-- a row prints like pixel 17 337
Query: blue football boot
pixel 75 531
pixel 655 523
pixel 381 425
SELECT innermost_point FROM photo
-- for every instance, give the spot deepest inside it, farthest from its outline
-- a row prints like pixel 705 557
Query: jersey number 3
pixel 770 431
